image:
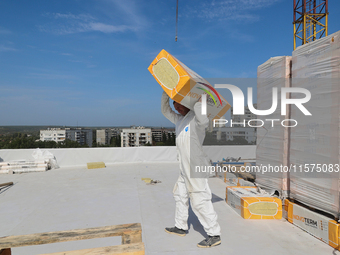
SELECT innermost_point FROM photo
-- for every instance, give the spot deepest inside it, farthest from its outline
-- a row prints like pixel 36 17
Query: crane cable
pixel 176 20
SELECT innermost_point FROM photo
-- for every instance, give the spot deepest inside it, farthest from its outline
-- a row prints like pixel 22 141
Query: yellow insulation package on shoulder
pixel 185 86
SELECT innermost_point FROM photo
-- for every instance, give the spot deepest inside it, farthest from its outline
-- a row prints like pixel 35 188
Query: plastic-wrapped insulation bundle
pixel 185 86
pixel 314 143
pixel 272 139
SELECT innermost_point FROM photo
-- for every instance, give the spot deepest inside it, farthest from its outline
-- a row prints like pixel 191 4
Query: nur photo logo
pixel 239 102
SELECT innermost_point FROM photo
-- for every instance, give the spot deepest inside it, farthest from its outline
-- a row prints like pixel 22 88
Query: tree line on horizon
pixel 25 141
pixel 32 141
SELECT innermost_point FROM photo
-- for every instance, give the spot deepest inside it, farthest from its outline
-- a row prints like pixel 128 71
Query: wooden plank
pixel 5 252
pixel 23 166
pixel 132 238
pixel 94 165
pixel 27 170
pixel 22 170
pixel 6 184
pixel 70 235
pixel 247 176
pixel 17 163
pixel 241 173
pixel 124 249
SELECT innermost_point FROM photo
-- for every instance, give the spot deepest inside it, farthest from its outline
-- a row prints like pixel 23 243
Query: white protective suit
pixel 190 133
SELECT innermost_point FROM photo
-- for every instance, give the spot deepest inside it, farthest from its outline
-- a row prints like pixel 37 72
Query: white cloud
pixel 82 27
pixel 96 26
pixel 68 23
pixel 244 37
pixel 83 17
pixel 4 31
pixel 237 10
pixel 131 12
pixel 5 48
pixel 52 76
pixel 244 17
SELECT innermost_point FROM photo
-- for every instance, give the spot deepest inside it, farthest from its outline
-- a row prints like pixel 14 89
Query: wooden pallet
pixel 131 240
pixel 238 172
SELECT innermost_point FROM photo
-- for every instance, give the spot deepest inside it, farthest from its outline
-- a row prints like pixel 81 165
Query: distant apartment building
pixel 242 120
pixel 104 136
pixel 135 136
pixel 157 133
pixel 53 134
pixel 80 135
pixel 230 133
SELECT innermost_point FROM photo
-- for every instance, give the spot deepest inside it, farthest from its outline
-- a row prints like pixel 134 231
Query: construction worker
pixel 190 133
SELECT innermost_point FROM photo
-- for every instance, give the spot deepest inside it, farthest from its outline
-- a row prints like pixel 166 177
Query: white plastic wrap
pixel 46 156
pixel 272 141
pixel 316 67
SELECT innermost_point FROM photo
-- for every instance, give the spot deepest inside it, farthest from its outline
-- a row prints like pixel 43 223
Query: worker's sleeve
pixel 166 109
pixel 201 120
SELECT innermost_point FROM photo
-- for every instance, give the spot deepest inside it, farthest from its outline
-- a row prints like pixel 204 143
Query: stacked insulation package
pixel 314 142
pixel 24 166
pixel 272 139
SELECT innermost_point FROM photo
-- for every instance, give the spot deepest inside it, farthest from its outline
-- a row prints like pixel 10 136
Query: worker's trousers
pixel 200 203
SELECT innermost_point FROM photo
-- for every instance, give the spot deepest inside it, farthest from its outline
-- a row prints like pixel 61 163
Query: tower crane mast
pixel 310 20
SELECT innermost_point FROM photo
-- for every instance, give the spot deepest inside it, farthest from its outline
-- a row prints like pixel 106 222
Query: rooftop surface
pixel 76 198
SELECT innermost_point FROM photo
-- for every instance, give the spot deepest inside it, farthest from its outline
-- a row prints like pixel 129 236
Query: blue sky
pixel 85 62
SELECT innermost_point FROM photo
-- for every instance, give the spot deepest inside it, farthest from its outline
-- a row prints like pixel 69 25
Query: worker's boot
pixel 176 231
pixel 210 242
